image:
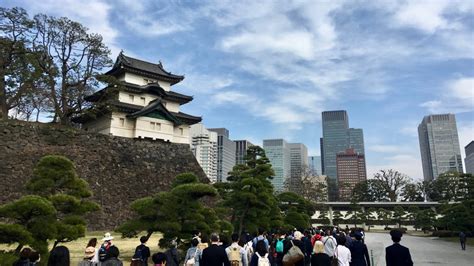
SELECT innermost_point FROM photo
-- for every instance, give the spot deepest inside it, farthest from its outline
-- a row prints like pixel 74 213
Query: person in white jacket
pixel 330 244
pixel 342 253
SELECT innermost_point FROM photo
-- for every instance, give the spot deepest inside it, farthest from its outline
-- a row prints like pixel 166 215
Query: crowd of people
pixel 327 247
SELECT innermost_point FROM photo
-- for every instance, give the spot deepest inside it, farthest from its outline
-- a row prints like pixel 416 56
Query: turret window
pixel 131 97
pixel 142 99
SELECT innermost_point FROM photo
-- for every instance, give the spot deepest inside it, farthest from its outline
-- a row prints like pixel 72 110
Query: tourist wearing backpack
pixel 261 256
pixel 330 244
pixel 279 246
pixel 236 254
pixel 105 247
pixel 142 253
pixel 297 236
pixel 260 237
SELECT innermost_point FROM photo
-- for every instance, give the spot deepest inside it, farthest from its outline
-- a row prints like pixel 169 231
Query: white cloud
pixel 457 97
pixel 423 15
pixel 409 164
pixel 386 148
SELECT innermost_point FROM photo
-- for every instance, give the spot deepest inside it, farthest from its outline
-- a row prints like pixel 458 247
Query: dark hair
pixel 396 239
pixel 261 231
pixel 194 242
pixel 158 258
pixel 143 239
pixel 59 256
pixel 113 252
pixel 261 248
pixel 341 240
pixel 235 237
pixel 25 253
pixel 214 237
pixel 34 256
pixel 243 239
pixel 92 242
pixel 204 238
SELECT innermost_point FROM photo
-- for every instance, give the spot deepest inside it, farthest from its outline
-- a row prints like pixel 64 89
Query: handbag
pixel 293 255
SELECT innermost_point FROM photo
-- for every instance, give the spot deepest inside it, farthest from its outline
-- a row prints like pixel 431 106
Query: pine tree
pixel 177 213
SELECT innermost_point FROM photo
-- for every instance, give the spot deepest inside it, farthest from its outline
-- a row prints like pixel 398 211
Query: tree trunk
pixel 18 248
pixel 242 218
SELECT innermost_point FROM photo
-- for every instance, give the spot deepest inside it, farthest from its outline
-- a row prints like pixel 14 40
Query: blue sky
pixel 266 69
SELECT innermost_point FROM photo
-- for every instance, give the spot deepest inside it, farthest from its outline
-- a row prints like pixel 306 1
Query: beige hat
pixel 107 237
pixel 89 253
pixel 298 235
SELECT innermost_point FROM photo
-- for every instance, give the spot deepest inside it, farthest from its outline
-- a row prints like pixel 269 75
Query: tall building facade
pixel 278 152
pixel 314 165
pixel 350 171
pixel 469 160
pixel 337 137
pixel 204 147
pixel 225 153
pixel 241 147
pixel 439 145
pixel 298 159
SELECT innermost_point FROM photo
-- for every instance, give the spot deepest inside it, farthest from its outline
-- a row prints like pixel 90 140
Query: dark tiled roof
pixel 148 69
pixel 153 88
pixel 155 105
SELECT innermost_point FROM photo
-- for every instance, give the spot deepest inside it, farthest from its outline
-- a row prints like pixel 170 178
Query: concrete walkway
pixel 424 250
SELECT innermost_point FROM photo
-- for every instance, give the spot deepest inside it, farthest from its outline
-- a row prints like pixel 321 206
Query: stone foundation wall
pixel 119 170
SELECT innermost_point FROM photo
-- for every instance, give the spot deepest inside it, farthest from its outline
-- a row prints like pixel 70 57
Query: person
pixel 319 258
pixel 214 255
pixel 247 243
pixel 24 259
pixel 308 248
pixel 330 244
pixel 297 236
pixel 260 236
pixel 93 244
pixel 172 258
pixel 59 256
pixel 34 258
pixel 112 258
pixel 193 254
pixel 88 256
pixel 105 247
pixel 235 253
pixel 342 253
pixel 142 253
pixel 462 238
pixel 260 256
pixel 396 254
pixel 279 246
pixel 359 251
pixel 159 259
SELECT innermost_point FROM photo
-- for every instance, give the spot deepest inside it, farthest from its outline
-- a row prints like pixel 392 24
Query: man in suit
pixel 397 254
pixel 214 255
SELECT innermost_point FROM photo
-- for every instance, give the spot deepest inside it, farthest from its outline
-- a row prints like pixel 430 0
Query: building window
pixel 181 131
pixel 122 122
pixel 142 99
pixel 152 125
pixel 158 126
pixel 131 97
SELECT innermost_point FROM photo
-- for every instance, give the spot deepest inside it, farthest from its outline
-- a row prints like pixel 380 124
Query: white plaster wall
pixel 184 138
pixel 172 106
pixel 140 80
pixel 165 85
pixel 144 130
pixel 116 129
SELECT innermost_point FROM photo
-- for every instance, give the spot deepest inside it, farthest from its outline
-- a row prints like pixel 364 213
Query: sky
pixel 267 69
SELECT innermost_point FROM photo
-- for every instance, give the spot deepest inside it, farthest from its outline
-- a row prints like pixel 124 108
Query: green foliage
pixel 297 210
pixel 14 233
pixel 176 213
pixel 250 194
pixel 57 210
pixel 457 217
pixel 424 219
pixel 398 215
pixel 384 216
pixel 8 258
pixel 452 186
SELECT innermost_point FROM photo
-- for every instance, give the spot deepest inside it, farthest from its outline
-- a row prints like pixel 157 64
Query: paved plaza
pixel 424 250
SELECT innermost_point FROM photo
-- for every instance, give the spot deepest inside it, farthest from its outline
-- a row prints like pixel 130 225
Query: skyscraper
pixel 469 160
pixel 337 137
pixel 278 152
pixel 225 153
pixel 204 147
pixel 298 159
pixel 439 145
pixel 350 171
pixel 241 147
pixel 314 164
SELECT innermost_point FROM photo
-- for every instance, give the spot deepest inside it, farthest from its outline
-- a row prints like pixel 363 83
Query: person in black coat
pixel 319 258
pixel 359 252
pixel 397 254
pixel 214 255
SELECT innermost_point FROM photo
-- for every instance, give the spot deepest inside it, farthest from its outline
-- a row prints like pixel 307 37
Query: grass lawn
pixel 125 245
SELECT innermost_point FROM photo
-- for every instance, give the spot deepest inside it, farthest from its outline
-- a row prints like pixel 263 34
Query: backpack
pixel 255 240
pixel 103 253
pixel 191 261
pixel 263 261
pixel 138 254
pixel 293 255
pixel 279 246
pixel 234 256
